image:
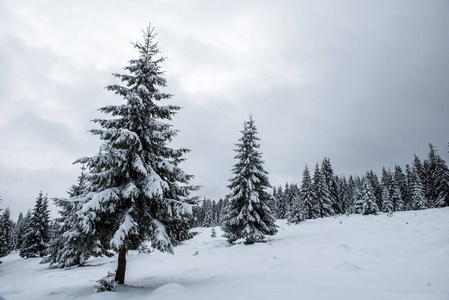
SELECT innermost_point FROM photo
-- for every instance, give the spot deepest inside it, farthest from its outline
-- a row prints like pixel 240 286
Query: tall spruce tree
pixel 308 197
pixel 357 200
pixel 437 191
pixel 6 245
pixel 375 185
pixel 321 190
pixel 388 190
pixel 249 216
pixel 37 234
pixel 369 205
pixel 17 232
pixel 295 214
pixel 281 204
pixel 401 186
pixel 418 198
pixel 328 173
pixel 137 191
pixel 208 214
pixel 442 184
pixel 344 195
pixel 387 201
pixel 409 183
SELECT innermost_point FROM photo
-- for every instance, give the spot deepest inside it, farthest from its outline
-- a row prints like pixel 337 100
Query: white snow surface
pixel 345 257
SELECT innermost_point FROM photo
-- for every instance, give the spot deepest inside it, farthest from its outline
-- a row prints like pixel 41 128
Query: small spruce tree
pixel 249 216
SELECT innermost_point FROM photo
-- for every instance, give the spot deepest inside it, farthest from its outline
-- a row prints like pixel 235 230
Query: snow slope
pixel 357 257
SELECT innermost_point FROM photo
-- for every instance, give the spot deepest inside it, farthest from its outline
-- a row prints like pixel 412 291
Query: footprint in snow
pixel 348 267
pixel 344 247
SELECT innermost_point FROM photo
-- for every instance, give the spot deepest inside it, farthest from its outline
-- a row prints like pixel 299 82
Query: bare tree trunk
pixel 121 267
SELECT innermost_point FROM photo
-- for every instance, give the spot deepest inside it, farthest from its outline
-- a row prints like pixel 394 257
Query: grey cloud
pixel 364 83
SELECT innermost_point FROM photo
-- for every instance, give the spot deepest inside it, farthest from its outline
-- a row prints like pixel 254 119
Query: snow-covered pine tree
pixel 224 209
pixel 442 186
pixel 219 211
pixel 321 190
pixel 418 198
pixel 137 191
pixel 37 235
pixel 281 204
pixel 19 235
pixel 401 184
pixel 272 202
pixel 419 167
pixel 387 201
pixel 437 172
pixel 290 194
pixel 387 186
pixel 295 212
pixel 69 246
pixel 308 197
pixel 6 245
pixel 357 200
pixel 369 205
pixel 376 187
pixel 344 195
pixel 249 216
pixel 328 173
pixel 409 183
pixel 17 232
pixel 208 214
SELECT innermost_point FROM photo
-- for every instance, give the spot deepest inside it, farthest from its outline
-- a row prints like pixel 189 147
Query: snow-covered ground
pixel 357 257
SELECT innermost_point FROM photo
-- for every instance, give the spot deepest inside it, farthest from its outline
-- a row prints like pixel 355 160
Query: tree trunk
pixel 121 268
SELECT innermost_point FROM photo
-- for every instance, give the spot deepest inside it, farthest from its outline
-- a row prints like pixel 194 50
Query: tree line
pixel 420 185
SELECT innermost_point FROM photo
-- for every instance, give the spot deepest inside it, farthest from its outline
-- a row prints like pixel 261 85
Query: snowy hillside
pixel 357 257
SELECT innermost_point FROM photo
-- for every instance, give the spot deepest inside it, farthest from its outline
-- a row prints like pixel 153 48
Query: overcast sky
pixel 365 83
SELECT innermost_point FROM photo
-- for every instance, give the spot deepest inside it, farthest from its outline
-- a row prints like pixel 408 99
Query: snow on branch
pixel 127 227
pixel 154 186
pixel 97 201
pixel 160 240
pixel 181 208
pixel 130 191
pixel 138 165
